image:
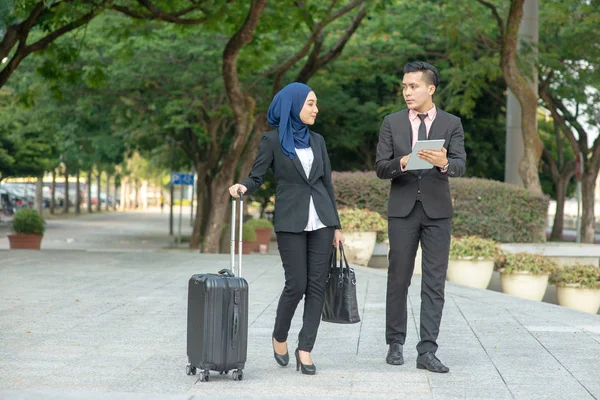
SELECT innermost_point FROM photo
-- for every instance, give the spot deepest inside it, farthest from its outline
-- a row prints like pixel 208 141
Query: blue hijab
pixel 284 113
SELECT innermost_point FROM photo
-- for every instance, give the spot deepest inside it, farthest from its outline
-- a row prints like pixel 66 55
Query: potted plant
pixel 28 227
pixel 264 229
pixel 525 275
pixel 248 239
pixel 578 287
pixel 360 233
pixel 472 261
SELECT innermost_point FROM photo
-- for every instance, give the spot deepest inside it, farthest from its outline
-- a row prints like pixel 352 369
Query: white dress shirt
pixel 306 157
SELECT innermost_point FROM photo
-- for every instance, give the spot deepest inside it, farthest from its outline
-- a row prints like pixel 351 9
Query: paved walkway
pixel 111 324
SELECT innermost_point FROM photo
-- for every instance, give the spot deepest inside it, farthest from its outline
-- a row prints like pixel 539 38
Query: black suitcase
pixel 217 320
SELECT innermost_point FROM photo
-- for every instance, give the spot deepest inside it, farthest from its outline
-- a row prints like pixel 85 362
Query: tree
pixel 45 21
pixel 518 83
pixel 569 82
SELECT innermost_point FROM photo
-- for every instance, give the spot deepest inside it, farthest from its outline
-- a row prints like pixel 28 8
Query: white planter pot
pixel 578 298
pixel 418 260
pixel 524 285
pixel 359 246
pixel 473 273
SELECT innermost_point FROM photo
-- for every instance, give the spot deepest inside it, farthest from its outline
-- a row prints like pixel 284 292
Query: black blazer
pixel 292 187
pixel 395 141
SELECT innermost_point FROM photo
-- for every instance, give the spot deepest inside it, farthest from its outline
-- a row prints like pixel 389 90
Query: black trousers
pixel 405 234
pixel 305 258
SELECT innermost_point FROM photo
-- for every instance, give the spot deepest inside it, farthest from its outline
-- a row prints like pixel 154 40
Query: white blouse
pixel 306 157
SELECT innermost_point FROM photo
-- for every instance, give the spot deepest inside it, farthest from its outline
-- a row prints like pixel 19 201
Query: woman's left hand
pixel 338 237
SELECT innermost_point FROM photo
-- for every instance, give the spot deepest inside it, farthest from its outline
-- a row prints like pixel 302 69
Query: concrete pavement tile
pixel 78 395
pixel 549 391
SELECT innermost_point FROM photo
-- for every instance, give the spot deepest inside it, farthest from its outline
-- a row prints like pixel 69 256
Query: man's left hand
pixel 435 157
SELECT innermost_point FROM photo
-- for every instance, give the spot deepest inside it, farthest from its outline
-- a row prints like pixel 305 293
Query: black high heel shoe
pixel 307 369
pixel 282 359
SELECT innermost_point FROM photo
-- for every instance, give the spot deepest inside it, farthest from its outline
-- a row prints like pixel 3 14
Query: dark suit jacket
pixel 395 141
pixel 292 187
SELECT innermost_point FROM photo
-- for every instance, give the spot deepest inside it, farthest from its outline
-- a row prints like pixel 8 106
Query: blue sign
pixel 178 178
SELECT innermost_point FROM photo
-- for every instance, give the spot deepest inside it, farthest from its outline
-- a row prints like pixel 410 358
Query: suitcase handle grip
pixel 227 272
pixel 236 325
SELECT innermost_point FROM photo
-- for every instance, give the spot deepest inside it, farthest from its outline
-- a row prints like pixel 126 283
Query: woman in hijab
pixel 306 218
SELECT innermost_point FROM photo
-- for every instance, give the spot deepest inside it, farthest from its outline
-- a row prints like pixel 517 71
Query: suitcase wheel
pixel 204 375
pixel 238 375
pixel 190 370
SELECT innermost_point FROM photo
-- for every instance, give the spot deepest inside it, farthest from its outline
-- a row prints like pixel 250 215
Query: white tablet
pixel 414 162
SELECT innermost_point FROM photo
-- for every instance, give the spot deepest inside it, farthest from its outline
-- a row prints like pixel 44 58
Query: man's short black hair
pixel 430 73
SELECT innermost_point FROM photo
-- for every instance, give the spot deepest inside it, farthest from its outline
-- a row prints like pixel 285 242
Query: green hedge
pixel 482 207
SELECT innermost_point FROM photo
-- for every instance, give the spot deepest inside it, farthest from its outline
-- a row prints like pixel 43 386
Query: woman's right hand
pixel 233 190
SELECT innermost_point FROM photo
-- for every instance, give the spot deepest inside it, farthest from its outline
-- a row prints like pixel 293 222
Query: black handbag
pixel 341 306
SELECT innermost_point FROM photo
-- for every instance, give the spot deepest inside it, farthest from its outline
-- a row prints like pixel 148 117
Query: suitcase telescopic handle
pixel 241 221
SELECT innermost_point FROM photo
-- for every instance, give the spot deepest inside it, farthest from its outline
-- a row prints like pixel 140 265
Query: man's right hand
pixel 233 190
pixel 404 161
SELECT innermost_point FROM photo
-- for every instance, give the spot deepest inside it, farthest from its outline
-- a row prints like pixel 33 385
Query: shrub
pixel 259 223
pixel 525 262
pixel 28 221
pixel 497 210
pixel 361 190
pixel 357 220
pixel 248 233
pixel 473 247
pixel 586 276
pixel 482 207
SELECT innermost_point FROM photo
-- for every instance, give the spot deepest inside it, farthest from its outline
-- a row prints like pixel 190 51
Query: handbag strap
pixel 343 256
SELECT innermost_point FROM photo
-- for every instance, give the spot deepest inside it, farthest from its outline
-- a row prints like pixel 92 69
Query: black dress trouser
pixel 305 257
pixel 405 234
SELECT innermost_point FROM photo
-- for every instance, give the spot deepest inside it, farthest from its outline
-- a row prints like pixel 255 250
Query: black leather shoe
pixel 282 359
pixel 430 362
pixel 394 355
pixel 307 369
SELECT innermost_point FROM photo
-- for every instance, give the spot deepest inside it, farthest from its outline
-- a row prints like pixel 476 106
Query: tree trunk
pixel 559 216
pixel 518 84
pixel 53 192
pixel 136 199
pixel 66 201
pixel 588 220
pixel 122 205
pixel 201 213
pixel 77 194
pixel 98 178
pixel 39 194
pixel 220 202
pixel 89 191
pixel 106 207
pixel 115 187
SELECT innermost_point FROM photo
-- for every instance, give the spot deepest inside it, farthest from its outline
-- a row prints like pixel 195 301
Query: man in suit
pixel 419 209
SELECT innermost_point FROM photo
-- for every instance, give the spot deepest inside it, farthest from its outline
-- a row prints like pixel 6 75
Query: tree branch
pixel 553 105
pixel 551 163
pixel 498 18
pixel 24 50
pixel 156 13
pixel 313 65
pixel 316 31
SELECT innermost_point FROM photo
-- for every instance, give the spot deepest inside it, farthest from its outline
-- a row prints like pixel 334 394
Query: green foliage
pixel 362 190
pixel 475 247
pixel 248 233
pixel 361 220
pixel 259 223
pixel 485 208
pixel 536 264
pixel 28 221
pixel 498 211
pixel 586 276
